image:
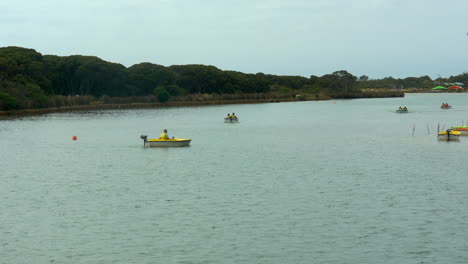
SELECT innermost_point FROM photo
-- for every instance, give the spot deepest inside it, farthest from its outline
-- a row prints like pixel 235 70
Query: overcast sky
pixel 378 38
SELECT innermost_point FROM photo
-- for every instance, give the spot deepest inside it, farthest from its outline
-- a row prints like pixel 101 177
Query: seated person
pixel 164 135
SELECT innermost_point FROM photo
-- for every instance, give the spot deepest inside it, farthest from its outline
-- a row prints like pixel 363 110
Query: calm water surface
pixel 305 182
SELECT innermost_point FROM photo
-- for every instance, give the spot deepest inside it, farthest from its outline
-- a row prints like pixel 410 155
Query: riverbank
pixel 94 107
pixel 198 101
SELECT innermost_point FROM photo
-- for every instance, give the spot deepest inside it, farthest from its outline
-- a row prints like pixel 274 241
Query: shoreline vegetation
pixel 188 101
pixel 32 83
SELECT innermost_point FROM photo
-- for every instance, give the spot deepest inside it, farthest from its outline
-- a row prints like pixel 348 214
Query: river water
pixel 345 181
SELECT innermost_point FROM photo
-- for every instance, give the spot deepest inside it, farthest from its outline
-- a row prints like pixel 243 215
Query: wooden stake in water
pixel 428 129
pixel 414 127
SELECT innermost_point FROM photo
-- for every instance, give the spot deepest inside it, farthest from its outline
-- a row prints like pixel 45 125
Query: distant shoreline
pixel 41 111
pixel 95 107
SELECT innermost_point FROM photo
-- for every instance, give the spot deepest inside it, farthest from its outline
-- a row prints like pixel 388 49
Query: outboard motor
pixel 144 137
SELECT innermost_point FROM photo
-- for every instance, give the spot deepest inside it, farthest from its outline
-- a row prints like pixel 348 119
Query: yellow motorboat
pixel 174 142
pixel 449 135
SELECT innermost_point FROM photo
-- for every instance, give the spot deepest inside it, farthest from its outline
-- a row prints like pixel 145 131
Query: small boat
pixel 449 135
pixel 462 129
pixel 445 106
pixel 231 120
pixel 402 110
pixel 174 142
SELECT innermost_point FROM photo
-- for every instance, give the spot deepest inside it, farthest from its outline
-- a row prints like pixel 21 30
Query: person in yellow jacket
pixel 233 116
pixel 164 135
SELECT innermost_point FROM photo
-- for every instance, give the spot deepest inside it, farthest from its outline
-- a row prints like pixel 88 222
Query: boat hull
pixel 402 111
pixel 176 142
pixel 462 129
pixel 231 120
pixel 446 107
pixel 463 132
pixel 451 136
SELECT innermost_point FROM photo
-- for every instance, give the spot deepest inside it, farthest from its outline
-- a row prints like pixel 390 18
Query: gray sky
pixel 378 38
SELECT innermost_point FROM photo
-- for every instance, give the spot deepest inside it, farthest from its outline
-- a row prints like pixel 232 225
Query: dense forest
pixel 29 79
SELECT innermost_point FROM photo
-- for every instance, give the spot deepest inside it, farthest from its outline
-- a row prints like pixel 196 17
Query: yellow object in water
pixel 171 142
pixel 451 132
pixel 169 139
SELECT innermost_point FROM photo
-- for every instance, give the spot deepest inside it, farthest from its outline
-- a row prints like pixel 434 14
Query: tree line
pixel 29 79
pixel 423 82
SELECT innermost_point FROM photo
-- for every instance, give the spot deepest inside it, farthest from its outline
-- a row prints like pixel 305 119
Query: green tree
pixel 162 94
pixel 339 82
pixel 199 78
pixel 462 78
pixel 145 76
pixel 175 90
pixel 312 89
pixel 7 102
pixel 363 78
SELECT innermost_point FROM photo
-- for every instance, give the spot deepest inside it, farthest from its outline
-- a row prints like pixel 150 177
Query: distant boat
pixel 449 135
pixel 439 89
pixel 445 106
pixel 231 120
pixel 175 142
pixel 455 88
pixel 462 129
pixel 402 110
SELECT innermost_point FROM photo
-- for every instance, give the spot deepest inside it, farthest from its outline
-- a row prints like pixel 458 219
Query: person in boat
pixel 164 135
pixel 229 116
pixel 399 108
pixel 404 108
pixel 233 116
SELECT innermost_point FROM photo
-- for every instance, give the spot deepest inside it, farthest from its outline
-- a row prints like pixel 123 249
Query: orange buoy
pixel 74 138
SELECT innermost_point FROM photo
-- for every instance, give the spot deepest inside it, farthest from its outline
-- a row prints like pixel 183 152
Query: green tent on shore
pixel 439 88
